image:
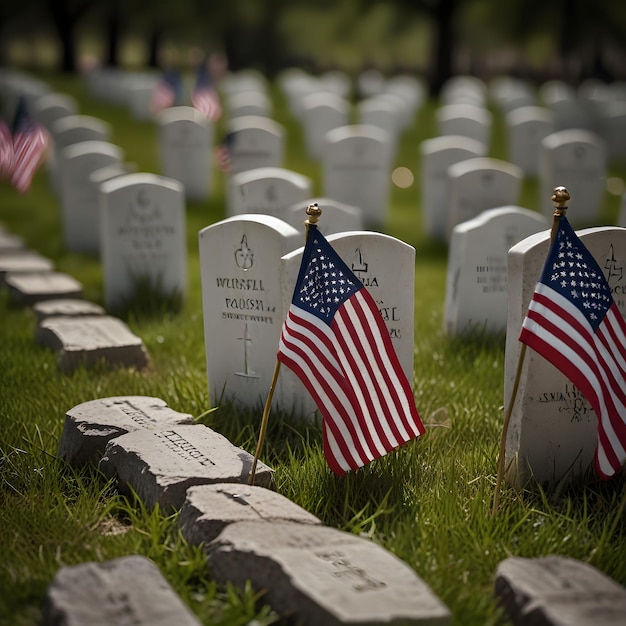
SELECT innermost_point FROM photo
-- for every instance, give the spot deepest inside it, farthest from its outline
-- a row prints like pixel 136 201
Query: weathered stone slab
pixel 558 591
pixel 10 243
pixel 91 425
pixel 90 340
pixel 23 262
pixel 129 590
pixel 324 577
pixel 29 288
pixel 67 307
pixel 161 465
pixel 208 509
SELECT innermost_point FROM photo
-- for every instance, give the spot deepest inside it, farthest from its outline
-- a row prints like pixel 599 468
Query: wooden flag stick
pixel 313 212
pixel 560 198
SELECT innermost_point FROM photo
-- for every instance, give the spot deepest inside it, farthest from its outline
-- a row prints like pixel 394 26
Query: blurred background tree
pixel 540 39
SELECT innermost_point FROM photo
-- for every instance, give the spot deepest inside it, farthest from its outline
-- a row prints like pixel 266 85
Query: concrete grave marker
pixel 128 590
pixel 66 307
pixel 160 465
pixel 208 509
pixel 91 340
pixel 79 204
pixel 575 159
pixel 242 304
pixel 50 107
pixel 253 142
pixel 14 262
pixel 267 190
pixel 10 243
pixel 467 120
pixel 249 102
pixel 558 591
pixel 142 228
pixel 553 431
pixel 437 155
pixel 185 144
pixel 30 287
pixel 322 112
pixel 321 576
pixel 526 128
pixel 76 128
pixel 356 169
pixel 479 184
pixel 89 426
pixel 476 279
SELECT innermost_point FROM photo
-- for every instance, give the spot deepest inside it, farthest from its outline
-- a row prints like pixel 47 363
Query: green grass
pixel 429 503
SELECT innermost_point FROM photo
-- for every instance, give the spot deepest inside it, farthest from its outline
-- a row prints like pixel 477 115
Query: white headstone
pixel 244 103
pixel 575 159
pixel 78 202
pixel 437 155
pixel 553 431
pixel 386 112
pixel 242 304
pixel 142 236
pixel 464 89
pixel 185 145
pixel 267 190
pixel 76 128
pixel 253 142
pixel 527 127
pixel 356 169
pixel 51 107
pixel 467 120
pixel 476 278
pixel 338 217
pixel 322 112
pixel 479 184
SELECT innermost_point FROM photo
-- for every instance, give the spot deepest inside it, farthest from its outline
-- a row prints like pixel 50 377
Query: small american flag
pixel 166 91
pixel 574 323
pixel 336 342
pixel 6 150
pixel 204 96
pixel 223 152
pixel 30 140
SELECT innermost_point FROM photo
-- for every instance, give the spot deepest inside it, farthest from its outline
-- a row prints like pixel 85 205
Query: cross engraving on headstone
pixel 246 339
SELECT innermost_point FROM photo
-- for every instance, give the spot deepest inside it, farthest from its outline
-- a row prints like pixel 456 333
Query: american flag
pixel 336 342
pixel 204 96
pixel 30 140
pixel 6 150
pixel 574 323
pixel 166 91
pixel 223 151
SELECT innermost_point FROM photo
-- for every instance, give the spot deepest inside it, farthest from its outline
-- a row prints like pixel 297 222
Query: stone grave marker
pixel 185 138
pixel 321 576
pixel 370 82
pixel 66 307
pixel 510 93
pixel 322 112
pixel 553 431
pixel 621 218
pixel 128 590
pixel 79 206
pixel 386 112
pixel 208 509
pixel 437 155
pixel 575 159
pixel 466 120
pixel 76 128
pixel 10 243
pixel 253 142
pixel 249 102
pixel 479 184
pixel 89 426
pixel 356 170
pixel 526 128
pixel 28 261
pixel 50 107
pixel 378 260
pixel 266 190
pixel 476 281
pixel 142 227
pixel 30 287
pixel 242 304
pixel 559 591
pixel 615 129
pixel 464 89
pixel 140 92
pixel 338 216
pixel 160 465
pixel 92 340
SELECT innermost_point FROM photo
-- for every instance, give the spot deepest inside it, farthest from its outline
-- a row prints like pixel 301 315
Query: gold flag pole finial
pixel 313 212
pixel 560 197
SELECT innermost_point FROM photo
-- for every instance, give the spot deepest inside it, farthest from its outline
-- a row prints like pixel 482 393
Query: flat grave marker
pixel 89 426
pixel 66 307
pixel 14 262
pixel 160 465
pixel 30 287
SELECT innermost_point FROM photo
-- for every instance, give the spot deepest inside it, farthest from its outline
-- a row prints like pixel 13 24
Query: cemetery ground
pixel 429 502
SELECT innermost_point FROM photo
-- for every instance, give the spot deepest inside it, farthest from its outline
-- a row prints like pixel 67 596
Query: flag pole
pixel 559 198
pixel 313 212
